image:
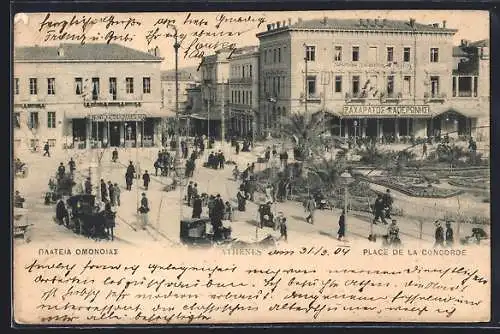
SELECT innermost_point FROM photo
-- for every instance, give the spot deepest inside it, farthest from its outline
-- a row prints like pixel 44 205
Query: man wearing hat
pixel 189 193
pixel 438 234
pixel 449 234
pixel 88 186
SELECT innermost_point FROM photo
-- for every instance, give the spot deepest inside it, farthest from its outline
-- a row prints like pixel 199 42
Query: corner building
pixel 83 96
pixel 375 77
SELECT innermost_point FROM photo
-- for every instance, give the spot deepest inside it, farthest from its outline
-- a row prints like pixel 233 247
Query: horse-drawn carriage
pixel 20 168
pixel 58 187
pixel 86 218
pixel 199 232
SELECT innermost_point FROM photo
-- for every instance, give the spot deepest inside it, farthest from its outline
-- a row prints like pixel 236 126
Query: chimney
pixel 412 22
pixel 60 51
pixel 289 22
pixel 278 24
pixel 157 51
pixel 268 27
pixel 444 23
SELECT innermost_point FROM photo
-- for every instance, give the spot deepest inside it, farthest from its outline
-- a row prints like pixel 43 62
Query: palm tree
pixel 306 131
pixel 328 172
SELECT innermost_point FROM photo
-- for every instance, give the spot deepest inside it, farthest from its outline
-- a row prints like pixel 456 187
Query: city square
pixel 398 109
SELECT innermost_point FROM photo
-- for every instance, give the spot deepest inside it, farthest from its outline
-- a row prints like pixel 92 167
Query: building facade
pixel 244 90
pixel 186 81
pixel 96 95
pixel 376 77
pixel 213 119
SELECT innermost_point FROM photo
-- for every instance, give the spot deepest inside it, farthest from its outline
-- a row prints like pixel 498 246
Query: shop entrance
pixel 114 136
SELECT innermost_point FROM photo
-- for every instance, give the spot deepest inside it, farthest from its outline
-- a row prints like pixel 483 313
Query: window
pixel 275 55
pixel 51 142
pixel 355 85
pixel 407 85
pixel 390 85
pixel 338 84
pixel 250 70
pixel 33 120
pixel 453 86
pixel 96 90
pixel 372 55
pixel 311 86
pixel 475 86
pixel 355 53
pixel 33 86
pixel 390 54
pixel 146 85
pixel 129 84
pixel 78 86
pixel 434 86
pixel 112 88
pixel 279 55
pixel 310 53
pixel 406 55
pixel 51 86
pixel 337 53
pixel 464 86
pixel 51 120
pixel 434 55
pixel 16 86
pixel 265 85
pixel 265 56
pixel 250 97
pixel 279 85
pixel 17 120
pixel 239 97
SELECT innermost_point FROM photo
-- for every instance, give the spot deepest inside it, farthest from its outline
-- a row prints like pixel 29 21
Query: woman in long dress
pixel 242 200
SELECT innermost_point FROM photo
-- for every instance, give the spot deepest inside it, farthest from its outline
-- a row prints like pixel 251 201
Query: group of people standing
pixel 216 160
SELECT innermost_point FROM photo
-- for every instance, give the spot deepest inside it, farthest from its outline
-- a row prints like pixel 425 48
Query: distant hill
pixel 185 73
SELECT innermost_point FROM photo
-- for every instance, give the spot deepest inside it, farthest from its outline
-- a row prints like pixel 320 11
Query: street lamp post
pixel 355 131
pixel 347 177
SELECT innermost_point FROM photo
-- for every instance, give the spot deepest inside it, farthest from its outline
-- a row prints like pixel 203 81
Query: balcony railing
pixel 113 100
pixel 358 97
pixel 32 101
pixel 391 97
pixel 435 98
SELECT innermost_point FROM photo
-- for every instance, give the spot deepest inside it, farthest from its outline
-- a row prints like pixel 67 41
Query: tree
pixel 305 130
pixel 328 172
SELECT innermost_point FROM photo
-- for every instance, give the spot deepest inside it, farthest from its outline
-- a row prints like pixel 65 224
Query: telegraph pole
pixel 222 122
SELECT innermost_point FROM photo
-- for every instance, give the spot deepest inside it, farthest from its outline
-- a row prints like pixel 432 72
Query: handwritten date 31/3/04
pixel 314 251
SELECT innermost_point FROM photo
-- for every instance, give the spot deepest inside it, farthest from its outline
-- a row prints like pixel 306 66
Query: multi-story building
pixel 186 80
pixel 212 120
pixel 244 90
pixel 86 96
pixel 377 77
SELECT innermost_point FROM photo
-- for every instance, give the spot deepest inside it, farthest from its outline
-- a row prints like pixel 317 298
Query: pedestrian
pixel 189 193
pixel 157 166
pixel 267 155
pixel 197 206
pixel 114 155
pixel 310 208
pixel 71 165
pixel 379 210
pixel 222 159
pixel 211 205
pixel 88 186
pixel 61 170
pixel 46 149
pixel 237 147
pixel 241 196
pixel 18 200
pixel 341 231
pixel 236 172
pixel 393 234
pixel 449 234
pixel 143 211
pixel 283 229
pixel 194 191
pixel 104 191
pixel 146 179
pixel 387 198
pixel 129 175
pixel 228 211
pixel 424 150
pixel 438 234
pixel 117 191
pixel 111 192
pixel 269 193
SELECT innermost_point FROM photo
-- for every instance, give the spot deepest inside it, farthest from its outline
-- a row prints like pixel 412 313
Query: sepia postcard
pixel 251 167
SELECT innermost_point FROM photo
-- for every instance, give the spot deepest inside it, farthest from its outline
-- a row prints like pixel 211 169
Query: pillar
pixel 456 90
pixel 379 133
pixel 122 133
pixel 138 135
pixel 363 128
pixel 88 128
pixel 408 120
pixel 396 128
pixel 105 133
pixel 346 129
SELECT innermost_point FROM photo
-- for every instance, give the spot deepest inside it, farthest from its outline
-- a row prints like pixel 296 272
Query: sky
pixel 200 33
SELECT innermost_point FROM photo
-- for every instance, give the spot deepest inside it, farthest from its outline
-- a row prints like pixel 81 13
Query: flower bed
pixel 480 183
pixel 414 190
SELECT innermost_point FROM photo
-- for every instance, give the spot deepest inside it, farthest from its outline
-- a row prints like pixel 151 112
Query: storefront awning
pixel 205 116
pixel 104 115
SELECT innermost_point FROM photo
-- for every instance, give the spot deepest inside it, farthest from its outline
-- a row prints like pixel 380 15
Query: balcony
pixel 32 101
pixel 391 97
pixel 246 80
pixel 113 100
pixel 355 97
pixel 435 98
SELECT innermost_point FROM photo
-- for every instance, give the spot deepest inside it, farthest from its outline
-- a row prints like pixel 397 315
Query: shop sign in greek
pixel 386 110
pixel 117 117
